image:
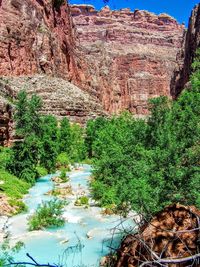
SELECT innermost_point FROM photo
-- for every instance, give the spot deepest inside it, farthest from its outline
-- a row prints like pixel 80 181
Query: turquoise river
pixel 86 236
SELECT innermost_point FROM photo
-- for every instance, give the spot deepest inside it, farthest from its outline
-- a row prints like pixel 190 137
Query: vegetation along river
pixel 86 235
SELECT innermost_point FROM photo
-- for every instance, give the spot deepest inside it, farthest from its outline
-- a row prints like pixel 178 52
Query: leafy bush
pixel 81 201
pixel 14 188
pixel 48 214
pixel 5 156
pixel 29 175
pixel 62 160
pixel 147 165
pixel 41 171
pixel 63 176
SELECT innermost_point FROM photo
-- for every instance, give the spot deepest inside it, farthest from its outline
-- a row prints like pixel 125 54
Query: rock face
pixel 192 42
pixel 5 121
pixel 118 59
pixel 171 234
pixel 60 97
pixel 129 56
pixel 35 37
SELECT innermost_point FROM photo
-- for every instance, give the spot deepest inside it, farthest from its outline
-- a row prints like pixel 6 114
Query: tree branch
pixel 33 263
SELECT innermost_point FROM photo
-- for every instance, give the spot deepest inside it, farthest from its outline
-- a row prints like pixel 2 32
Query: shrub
pixel 41 171
pixel 14 189
pixel 5 156
pixel 63 176
pixel 48 214
pixel 81 201
pixel 62 160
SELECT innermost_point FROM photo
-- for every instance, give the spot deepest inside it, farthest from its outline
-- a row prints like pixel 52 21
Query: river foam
pixel 83 239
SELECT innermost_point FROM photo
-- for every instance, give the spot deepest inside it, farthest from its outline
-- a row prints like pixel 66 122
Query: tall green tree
pixel 65 136
pixel 148 165
pixel 92 128
pixel 78 150
pixel 26 151
pixel 49 140
pixel 27 117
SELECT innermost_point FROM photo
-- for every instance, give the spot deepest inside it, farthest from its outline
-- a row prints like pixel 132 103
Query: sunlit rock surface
pixel 60 97
pixel 129 57
pixel 120 59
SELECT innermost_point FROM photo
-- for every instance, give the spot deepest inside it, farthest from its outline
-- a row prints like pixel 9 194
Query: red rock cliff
pixel 129 56
pixel 121 57
pixel 35 38
pixel 192 42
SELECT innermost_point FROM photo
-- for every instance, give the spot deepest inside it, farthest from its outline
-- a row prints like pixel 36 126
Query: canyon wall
pixel 5 122
pixel 192 42
pixel 36 37
pixel 129 57
pixel 118 59
pixel 60 97
pixel 37 43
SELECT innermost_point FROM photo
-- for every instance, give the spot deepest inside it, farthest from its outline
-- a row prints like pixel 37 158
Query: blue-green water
pixel 85 237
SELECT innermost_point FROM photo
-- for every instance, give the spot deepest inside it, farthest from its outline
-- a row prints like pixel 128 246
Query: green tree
pixel 78 150
pixel 145 166
pixel 25 158
pixel 26 151
pixel 92 128
pixel 27 116
pixel 65 136
pixel 49 140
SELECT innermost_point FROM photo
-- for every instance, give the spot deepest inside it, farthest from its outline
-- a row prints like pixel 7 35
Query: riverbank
pixel 12 190
pixel 3 228
pixel 86 231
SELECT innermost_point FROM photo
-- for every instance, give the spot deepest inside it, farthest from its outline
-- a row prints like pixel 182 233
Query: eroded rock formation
pixel 5 122
pixel 36 38
pixel 60 97
pixel 192 42
pixel 119 58
pixel 167 240
pixel 129 56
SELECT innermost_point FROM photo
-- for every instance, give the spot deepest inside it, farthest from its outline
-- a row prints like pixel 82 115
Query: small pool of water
pixel 85 237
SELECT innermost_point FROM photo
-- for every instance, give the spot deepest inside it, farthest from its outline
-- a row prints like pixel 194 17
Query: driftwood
pixel 171 238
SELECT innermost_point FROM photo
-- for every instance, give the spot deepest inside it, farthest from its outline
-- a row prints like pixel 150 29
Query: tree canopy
pixel 146 165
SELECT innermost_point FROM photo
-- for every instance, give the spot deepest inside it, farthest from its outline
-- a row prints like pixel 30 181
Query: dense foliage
pixel 7 253
pixel 43 144
pixel 10 185
pixel 145 166
pixel 48 214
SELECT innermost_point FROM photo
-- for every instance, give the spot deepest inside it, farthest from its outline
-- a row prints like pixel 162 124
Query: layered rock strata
pixel 120 58
pixel 192 42
pixel 129 56
pixel 5 121
pixel 60 97
pixel 36 37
